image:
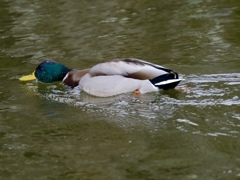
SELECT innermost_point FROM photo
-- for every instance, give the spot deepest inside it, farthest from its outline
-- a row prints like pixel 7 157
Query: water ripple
pixel 208 98
pixel 204 90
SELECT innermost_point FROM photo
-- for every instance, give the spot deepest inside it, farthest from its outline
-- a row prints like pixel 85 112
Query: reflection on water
pixel 52 132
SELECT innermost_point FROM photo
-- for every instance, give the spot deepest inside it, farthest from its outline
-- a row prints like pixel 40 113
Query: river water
pixel 48 131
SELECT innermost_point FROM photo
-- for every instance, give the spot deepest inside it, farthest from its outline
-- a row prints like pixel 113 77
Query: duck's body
pixel 114 77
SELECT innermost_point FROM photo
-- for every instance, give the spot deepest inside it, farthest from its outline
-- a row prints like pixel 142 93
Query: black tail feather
pixel 169 86
pixel 162 78
pixel 165 77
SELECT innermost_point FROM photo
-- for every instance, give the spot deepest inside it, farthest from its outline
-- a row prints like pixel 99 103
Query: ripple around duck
pixel 209 99
pixel 201 90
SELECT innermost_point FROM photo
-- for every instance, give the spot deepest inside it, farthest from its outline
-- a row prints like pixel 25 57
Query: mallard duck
pixel 109 78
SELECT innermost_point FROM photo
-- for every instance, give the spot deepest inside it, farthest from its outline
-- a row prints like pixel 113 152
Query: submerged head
pixel 47 72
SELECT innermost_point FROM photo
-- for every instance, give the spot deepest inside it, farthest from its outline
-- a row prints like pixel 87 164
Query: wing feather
pixel 130 67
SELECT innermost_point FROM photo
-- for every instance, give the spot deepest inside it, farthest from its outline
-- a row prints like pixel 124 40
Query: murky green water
pixel 52 132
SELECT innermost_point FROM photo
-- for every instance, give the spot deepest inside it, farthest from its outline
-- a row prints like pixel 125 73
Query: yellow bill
pixel 28 77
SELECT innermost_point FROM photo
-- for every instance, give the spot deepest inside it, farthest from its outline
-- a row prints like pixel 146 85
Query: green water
pixel 48 131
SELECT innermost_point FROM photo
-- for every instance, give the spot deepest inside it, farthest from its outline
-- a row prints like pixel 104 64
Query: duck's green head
pixel 47 72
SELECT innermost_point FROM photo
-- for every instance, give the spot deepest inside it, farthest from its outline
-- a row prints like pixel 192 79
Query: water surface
pixel 48 131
